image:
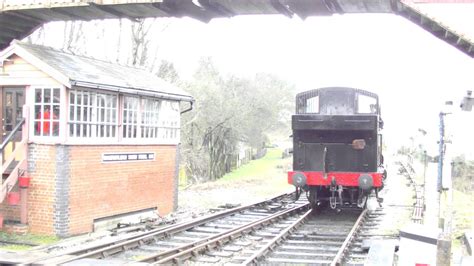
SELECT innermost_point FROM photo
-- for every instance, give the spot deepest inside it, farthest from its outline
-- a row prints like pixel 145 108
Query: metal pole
pixel 441 152
pixel 439 187
pixel 425 165
pixel 444 241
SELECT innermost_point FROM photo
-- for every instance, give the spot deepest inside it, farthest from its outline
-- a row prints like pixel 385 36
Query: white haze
pixel 413 72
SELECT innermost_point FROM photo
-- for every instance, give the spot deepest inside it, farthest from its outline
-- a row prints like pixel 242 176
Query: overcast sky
pixel 413 72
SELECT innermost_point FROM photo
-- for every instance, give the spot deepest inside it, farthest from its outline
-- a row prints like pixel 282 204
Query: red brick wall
pixel 94 189
pixel 9 212
pixel 42 169
pixel 103 189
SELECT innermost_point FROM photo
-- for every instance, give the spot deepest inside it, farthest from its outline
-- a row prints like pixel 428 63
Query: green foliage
pixel 230 112
pixel 463 218
pixel 168 72
pixel 463 174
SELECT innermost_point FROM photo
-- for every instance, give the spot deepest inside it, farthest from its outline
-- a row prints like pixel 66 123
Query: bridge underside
pixel 19 20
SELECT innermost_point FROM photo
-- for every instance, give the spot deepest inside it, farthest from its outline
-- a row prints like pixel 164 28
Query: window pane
pixel 84 130
pixel 56 96
pixel 94 114
pixel 38 95
pixel 37 111
pixel 71 113
pixel 366 104
pixel 78 113
pixel 47 96
pixel 55 128
pixel 86 115
pixel 72 97
pixel 37 128
pixel 56 111
pixel 312 105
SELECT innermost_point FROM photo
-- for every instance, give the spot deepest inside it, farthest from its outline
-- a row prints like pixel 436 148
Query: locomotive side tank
pixel 337 147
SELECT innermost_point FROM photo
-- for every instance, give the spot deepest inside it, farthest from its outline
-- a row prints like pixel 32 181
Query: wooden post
pixel 24 191
pixel 23 205
pixel 443 256
pixel 1 167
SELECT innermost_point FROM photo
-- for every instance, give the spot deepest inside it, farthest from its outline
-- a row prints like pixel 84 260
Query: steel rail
pixel 268 247
pixel 189 250
pixel 340 253
pixel 106 249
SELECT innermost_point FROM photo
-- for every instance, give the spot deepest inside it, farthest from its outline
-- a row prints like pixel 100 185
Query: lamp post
pixel 444 185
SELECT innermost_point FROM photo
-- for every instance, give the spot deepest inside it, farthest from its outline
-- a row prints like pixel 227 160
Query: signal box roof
pixel 74 70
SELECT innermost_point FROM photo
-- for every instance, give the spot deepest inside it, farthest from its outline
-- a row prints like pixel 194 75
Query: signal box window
pixel 169 121
pixel 312 105
pixel 131 109
pixel 366 104
pixel 150 118
pixel 47 111
pixel 92 115
pixel 147 118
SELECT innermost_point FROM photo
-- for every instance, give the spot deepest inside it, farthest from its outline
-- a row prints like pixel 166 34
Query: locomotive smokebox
pixel 299 179
pixel 366 182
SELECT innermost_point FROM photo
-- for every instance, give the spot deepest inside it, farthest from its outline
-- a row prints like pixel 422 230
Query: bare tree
pixel 74 37
pixel 37 37
pixel 229 111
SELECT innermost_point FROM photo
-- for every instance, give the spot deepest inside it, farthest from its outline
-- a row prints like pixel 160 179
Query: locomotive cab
pixel 337 156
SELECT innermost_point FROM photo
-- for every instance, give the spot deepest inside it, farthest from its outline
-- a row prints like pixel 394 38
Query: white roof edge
pixel 136 91
pixel 15 48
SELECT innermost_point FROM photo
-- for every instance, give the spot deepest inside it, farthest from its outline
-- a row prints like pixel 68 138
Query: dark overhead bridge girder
pixel 112 11
pixel 181 8
pixel 26 21
pixel 282 8
pixel 216 7
pixel 306 8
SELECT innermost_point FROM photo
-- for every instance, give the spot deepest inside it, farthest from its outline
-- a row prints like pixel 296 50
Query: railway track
pixel 114 249
pixel 277 231
pixel 293 236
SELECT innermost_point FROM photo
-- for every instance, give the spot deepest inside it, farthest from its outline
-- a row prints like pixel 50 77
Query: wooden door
pixel 12 101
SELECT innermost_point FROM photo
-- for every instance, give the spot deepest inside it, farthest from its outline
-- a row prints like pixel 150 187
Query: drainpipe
pixel 189 109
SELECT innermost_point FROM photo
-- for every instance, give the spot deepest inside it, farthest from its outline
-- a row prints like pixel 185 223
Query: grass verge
pixel 24 242
pixel 256 167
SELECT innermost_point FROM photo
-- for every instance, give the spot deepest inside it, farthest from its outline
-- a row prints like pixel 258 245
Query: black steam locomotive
pixel 337 147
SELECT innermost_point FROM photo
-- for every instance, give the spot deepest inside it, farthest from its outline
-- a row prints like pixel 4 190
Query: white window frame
pixel 169 121
pixel 131 110
pixel 150 115
pixel 95 119
pixel 30 100
pixel 167 126
pixel 163 125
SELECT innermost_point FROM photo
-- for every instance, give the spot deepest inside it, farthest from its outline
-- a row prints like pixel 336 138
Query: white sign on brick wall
pixel 127 157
